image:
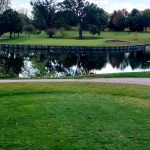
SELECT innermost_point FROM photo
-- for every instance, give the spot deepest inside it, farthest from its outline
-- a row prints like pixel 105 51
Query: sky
pixel 108 5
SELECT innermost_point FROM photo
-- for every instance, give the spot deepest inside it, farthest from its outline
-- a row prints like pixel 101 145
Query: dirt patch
pixel 118 42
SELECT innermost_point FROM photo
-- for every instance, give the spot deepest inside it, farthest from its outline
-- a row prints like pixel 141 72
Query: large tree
pixel 3 5
pixel 10 22
pixel 45 10
pixel 77 7
pixel 146 18
pixel 136 21
pixel 95 19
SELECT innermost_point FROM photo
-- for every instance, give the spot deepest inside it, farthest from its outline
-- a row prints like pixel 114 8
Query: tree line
pixel 49 15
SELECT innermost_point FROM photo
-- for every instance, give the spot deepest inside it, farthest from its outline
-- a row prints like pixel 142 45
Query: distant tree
pixel 146 18
pixel 11 22
pixel 44 11
pixel 136 21
pixel 4 5
pixel 95 19
pixel 29 29
pixel 2 23
pixel 77 7
pixel 118 20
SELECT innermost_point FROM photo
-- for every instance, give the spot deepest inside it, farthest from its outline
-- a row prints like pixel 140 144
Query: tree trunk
pixel 50 35
pixel 80 34
pixel 80 29
pixel 10 35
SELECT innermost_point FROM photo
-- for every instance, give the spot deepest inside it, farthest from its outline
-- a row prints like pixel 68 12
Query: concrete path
pixel 139 81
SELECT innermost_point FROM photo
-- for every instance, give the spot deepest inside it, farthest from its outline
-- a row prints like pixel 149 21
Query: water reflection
pixel 57 65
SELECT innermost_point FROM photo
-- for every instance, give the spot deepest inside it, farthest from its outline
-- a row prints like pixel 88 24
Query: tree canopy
pixel 10 22
pixel 50 16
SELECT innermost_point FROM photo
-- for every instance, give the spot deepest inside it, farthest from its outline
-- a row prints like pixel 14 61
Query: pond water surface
pixel 58 65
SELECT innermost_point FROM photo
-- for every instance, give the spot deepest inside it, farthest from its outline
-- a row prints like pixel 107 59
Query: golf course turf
pixel 71 39
pixel 74 116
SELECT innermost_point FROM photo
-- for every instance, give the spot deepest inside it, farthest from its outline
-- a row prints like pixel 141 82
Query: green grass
pixel 109 75
pixel 114 75
pixel 74 116
pixel 71 39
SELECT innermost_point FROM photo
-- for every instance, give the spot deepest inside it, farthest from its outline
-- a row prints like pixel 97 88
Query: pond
pixel 59 65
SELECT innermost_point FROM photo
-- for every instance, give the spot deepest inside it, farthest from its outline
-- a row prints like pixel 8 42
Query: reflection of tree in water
pixel 89 62
pixel 71 64
pixel 139 60
pixel 40 62
pixel 119 61
pixel 83 64
pixel 52 64
pixel 10 65
pixel 62 63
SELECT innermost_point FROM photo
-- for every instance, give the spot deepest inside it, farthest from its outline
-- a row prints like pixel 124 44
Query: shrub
pixel 51 32
pixel 62 32
pixel 29 29
pixel 94 30
pixel 37 32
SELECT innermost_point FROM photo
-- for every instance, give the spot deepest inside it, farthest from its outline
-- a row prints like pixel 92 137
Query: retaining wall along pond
pixel 68 49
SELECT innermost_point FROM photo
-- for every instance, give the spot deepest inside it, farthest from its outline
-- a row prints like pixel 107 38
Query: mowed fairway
pixel 71 39
pixel 74 116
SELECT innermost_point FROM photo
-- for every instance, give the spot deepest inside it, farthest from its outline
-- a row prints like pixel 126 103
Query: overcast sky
pixel 108 5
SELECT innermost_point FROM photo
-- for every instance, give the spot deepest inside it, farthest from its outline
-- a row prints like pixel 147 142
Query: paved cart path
pixel 139 81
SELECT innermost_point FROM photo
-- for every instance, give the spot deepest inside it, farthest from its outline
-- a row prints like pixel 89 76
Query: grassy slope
pixel 64 116
pixel 71 39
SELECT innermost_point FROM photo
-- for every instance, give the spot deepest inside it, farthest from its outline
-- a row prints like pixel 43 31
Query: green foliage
pixel 24 19
pixel 10 22
pixel 45 11
pixel 65 19
pixel 62 32
pixel 29 29
pixel 136 21
pixel 51 32
pixel 95 16
pixel 94 30
pixel 146 18
pixel 37 32
pixel 10 66
pixel 77 7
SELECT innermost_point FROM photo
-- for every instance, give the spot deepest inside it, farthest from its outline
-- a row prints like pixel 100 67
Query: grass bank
pixel 71 39
pixel 114 75
pixel 110 75
pixel 65 116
